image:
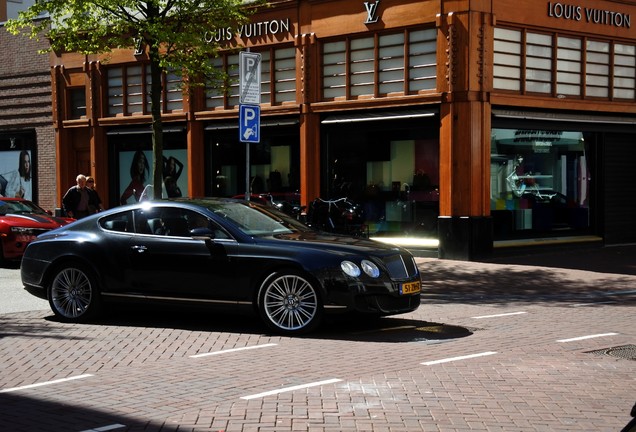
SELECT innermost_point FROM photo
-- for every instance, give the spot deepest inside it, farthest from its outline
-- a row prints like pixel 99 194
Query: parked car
pixel 631 426
pixel 227 253
pixel 21 221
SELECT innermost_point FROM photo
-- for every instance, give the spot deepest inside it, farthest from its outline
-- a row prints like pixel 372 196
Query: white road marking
pixel 232 350
pixel 293 388
pixel 499 315
pixel 587 337
pixel 106 428
pixel 30 386
pixel 451 359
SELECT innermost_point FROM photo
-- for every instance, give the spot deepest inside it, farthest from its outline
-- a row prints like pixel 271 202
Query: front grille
pixel 400 266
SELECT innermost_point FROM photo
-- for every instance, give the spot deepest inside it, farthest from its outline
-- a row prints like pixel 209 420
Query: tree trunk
pixel 157 127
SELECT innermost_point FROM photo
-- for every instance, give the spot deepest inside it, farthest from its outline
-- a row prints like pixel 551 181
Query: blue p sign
pixel 249 123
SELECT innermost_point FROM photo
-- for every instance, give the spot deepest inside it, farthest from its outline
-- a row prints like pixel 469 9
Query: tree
pixel 171 31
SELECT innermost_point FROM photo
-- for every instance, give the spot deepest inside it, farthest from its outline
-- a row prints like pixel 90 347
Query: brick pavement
pixel 140 376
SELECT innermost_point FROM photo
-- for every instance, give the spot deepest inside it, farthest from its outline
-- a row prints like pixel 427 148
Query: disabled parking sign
pixel 250 123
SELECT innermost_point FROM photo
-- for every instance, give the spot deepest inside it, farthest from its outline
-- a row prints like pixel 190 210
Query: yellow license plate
pixel 410 288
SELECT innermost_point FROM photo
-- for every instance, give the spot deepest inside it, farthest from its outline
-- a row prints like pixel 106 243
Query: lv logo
pixel 372 9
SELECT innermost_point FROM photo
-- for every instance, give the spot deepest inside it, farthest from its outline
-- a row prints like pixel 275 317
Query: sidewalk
pixel 602 259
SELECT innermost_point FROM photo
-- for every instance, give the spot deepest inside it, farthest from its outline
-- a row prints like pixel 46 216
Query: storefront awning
pixel 563 117
pixel 377 116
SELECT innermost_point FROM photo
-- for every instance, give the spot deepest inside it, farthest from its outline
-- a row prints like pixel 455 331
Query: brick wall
pixel 25 105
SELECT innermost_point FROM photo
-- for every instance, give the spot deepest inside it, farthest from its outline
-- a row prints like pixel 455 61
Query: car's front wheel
pixel 73 294
pixel 289 303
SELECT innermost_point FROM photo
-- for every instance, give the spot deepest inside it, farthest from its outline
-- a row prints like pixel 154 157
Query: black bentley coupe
pixel 220 253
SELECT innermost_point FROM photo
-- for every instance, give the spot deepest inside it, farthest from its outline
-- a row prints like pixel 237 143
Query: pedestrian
pixel 78 199
pixel 97 207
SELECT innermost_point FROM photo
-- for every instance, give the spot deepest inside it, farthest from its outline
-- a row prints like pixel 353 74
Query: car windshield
pixel 256 220
pixel 19 207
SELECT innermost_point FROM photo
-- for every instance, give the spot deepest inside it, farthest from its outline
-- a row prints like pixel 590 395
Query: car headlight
pixel 351 269
pixel 370 269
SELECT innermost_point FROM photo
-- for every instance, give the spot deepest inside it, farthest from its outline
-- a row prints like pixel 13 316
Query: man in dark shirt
pixel 78 199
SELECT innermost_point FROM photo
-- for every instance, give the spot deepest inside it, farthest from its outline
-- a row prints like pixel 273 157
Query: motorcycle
pixel 339 216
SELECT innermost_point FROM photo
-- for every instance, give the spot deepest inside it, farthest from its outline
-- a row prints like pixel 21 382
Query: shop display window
pixel 391 175
pixel 540 183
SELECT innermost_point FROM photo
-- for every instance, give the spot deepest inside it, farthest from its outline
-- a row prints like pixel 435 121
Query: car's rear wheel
pixel 73 293
pixel 289 303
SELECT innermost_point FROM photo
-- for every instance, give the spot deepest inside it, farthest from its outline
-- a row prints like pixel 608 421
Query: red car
pixel 21 221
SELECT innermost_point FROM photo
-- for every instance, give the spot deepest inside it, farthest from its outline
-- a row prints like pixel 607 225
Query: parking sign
pixel 250 123
pixel 250 78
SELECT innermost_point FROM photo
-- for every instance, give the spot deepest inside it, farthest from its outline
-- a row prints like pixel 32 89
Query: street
pixel 493 347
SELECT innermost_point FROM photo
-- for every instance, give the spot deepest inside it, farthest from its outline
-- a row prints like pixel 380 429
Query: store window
pixel 378 65
pixel 391 172
pixel 274 163
pixel 540 183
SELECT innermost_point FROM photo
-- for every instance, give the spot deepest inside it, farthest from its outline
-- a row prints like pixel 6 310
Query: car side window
pixel 119 222
pixel 175 222
pixel 201 225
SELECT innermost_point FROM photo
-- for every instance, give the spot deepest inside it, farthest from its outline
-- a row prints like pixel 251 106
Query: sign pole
pixel 247 171
pixel 249 107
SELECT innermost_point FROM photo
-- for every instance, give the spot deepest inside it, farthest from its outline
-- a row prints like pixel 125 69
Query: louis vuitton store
pixel 473 128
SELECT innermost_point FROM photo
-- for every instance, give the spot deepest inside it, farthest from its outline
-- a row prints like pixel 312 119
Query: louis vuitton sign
pixel 589 15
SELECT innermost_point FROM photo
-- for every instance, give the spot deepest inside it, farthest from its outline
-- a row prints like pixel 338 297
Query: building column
pixel 465 225
pixel 309 121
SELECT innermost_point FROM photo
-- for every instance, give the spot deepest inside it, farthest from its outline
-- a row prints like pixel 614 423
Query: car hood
pixel 337 243
pixel 32 220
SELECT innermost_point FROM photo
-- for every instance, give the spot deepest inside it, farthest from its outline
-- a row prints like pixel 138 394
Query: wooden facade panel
pixel 352 16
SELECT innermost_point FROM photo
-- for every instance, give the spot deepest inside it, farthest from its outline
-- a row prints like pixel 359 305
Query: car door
pixel 168 261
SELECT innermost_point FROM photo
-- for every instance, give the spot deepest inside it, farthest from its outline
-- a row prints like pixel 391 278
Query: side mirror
pixel 203 233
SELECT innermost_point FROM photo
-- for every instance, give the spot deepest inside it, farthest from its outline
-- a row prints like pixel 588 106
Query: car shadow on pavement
pixel 351 327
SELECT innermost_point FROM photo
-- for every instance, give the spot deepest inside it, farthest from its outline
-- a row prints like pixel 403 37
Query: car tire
pixel 289 303
pixel 73 293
